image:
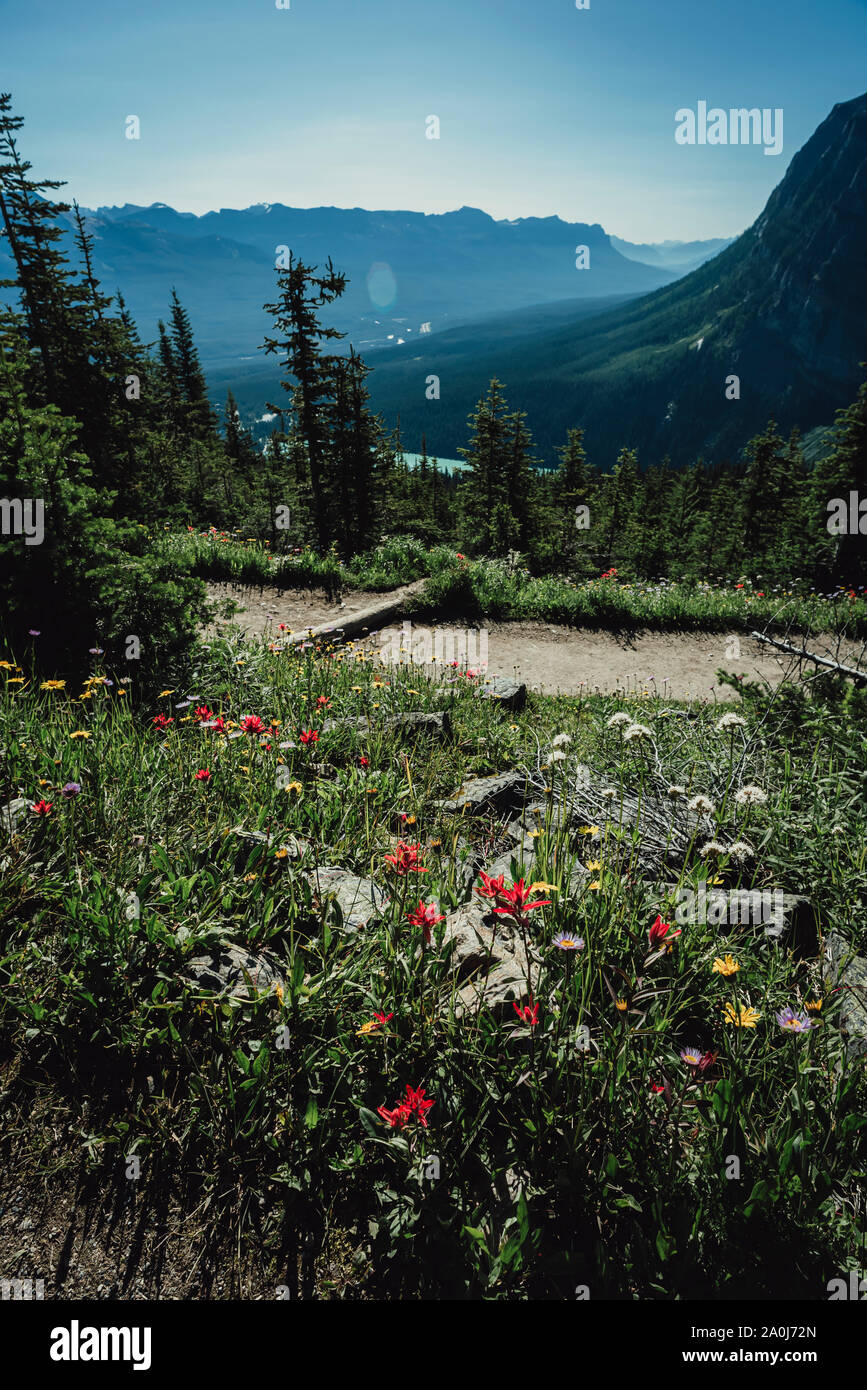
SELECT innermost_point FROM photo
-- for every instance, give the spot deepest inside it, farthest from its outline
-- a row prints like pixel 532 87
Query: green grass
pixel 499 591
pixel 558 1166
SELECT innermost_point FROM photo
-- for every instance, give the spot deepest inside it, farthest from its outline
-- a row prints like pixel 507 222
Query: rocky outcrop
pixel 360 900
pixel 846 972
pixel 230 970
pixel 490 965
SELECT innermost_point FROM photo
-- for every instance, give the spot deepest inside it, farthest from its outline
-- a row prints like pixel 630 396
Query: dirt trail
pixel 551 659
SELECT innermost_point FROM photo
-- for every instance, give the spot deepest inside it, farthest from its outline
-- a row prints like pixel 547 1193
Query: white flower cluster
pixel 751 796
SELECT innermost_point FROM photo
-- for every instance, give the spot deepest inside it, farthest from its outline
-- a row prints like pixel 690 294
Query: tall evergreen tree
pixel 310 370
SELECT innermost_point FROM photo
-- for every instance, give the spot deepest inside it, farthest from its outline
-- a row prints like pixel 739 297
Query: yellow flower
pixel 543 888
pixel 813 1006
pixel 15 680
pixel 44 782
pixel 80 733
pixel 278 990
pixel 741 1018
pixel 250 878
pixel 412 692
pixel 588 830
pixel 52 685
pixel 88 695
pixel 621 1005
pixel 163 694
pixel 121 691
pixel 6 666
pixel 294 787
pixel 594 886
pixel 726 965
pixel 281 854
pixel 594 864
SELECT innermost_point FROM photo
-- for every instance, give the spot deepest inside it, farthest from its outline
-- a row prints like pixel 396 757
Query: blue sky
pixel 544 109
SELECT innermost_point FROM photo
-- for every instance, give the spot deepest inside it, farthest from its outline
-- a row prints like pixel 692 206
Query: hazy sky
pixel 544 109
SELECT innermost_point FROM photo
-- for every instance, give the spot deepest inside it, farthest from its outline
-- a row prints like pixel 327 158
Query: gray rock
pixel 358 725
pixel 414 721
pixel 225 971
pixel 663 829
pixel 505 792
pixel 359 899
pixel 437 722
pixel 847 972
pixel 511 694
pixel 294 845
pixel 12 814
pixel 487 959
pixel 795 925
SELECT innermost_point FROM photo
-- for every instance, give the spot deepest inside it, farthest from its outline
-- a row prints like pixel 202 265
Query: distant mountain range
pixel 405 269
pixel 783 309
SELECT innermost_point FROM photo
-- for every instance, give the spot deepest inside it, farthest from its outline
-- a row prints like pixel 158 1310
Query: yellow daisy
pixel 80 733
pixel 741 1018
pixel 726 965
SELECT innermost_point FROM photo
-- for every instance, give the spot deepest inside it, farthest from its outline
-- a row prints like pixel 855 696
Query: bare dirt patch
pixel 551 659
pixel 263 610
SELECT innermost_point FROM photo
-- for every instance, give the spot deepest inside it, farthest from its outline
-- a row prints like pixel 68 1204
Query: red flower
pixel 160 721
pixel 491 887
pixel 322 700
pixel 310 736
pixel 657 1090
pixel 659 931
pixel 217 724
pixel 425 916
pixel 414 1104
pixel 405 859
pixel 203 774
pixel 707 1060
pixel 516 900
pixel 363 762
pixel 252 724
pixel 202 713
pixel 527 1013
pixel 42 808
pixel 400 1117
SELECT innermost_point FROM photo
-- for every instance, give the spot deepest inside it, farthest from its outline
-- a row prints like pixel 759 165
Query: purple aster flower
pixel 34 632
pixel 96 651
pixel 792 1022
pixel 691 1056
pixel 568 941
pixel 71 790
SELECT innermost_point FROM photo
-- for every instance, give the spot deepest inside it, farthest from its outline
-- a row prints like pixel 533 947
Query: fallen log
pixel 851 671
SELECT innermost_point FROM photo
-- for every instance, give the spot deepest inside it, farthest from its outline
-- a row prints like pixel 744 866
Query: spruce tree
pixel 310 370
